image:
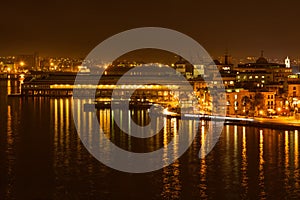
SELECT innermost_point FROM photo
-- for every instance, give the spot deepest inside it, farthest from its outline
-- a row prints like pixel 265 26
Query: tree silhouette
pixel 246 102
pixel 258 102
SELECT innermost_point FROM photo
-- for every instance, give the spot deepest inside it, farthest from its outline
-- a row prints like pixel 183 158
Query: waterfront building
pixel 245 102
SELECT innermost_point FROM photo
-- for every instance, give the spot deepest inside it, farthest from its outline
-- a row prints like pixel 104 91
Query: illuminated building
pixel 241 102
pixel 262 73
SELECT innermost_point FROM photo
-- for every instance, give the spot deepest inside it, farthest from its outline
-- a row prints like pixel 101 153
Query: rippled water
pixel 41 157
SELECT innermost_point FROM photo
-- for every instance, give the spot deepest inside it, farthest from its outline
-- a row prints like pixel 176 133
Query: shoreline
pixel 280 123
pixel 270 125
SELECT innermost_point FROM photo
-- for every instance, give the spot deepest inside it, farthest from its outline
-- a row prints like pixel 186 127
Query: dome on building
pixel 261 60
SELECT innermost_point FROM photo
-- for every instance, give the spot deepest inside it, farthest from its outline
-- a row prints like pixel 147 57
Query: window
pixel 294 88
pixel 250 77
pixel 256 76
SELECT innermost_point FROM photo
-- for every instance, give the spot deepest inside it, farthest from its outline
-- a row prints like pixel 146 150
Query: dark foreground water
pixel 41 157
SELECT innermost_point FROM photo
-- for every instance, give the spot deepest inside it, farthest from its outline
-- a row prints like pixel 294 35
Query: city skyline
pixel 71 28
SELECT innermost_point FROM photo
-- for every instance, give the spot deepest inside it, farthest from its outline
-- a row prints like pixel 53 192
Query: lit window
pixel 256 76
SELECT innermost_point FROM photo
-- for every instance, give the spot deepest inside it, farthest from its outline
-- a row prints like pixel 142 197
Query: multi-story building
pixel 262 73
pixel 244 102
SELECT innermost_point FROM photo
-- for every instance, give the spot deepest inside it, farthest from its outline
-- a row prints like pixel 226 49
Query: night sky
pixel 73 28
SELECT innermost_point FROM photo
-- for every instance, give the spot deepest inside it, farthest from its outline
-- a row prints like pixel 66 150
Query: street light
pixel 261 112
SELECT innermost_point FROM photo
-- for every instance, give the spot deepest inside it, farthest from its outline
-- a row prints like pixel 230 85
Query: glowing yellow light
pixel 22 63
pixel 261 112
pixel 278 109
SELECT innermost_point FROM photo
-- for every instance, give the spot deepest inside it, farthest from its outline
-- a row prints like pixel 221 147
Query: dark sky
pixel 73 28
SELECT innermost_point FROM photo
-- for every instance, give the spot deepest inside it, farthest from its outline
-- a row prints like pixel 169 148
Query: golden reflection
pixel 244 165
pixel 129 129
pixel 203 135
pixel 55 139
pixel 106 124
pixel 227 137
pixel 297 173
pixel 287 160
pixel 296 150
pixel 112 130
pixel 61 122
pixel 286 148
pixel 67 119
pixel 66 131
pixel 203 167
pixel 165 141
pixel 78 113
pixel 171 173
pixel 8 86
pixel 55 126
pixel 83 121
pixel 88 129
pixel 176 137
pixel 261 177
pixel 235 142
pixel 10 153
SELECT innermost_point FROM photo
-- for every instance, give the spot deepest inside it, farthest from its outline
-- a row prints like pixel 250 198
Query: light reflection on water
pixel 246 163
pixel 11 154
